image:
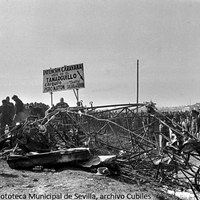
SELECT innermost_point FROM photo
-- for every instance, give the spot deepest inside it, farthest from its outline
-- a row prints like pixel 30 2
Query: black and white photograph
pixel 100 99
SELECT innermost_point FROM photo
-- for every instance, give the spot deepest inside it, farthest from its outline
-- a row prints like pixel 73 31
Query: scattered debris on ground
pixel 114 141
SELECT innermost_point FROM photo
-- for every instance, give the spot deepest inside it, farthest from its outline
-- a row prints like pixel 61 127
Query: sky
pixel 108 37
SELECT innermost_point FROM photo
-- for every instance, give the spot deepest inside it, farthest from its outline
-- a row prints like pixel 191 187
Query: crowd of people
pixel 187 123
pixel 11 113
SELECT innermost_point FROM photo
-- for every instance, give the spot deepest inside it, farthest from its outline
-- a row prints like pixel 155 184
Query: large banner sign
pixel 63 78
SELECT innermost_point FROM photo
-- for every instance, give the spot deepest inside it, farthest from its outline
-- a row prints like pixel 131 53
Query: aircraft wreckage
pixel 117 138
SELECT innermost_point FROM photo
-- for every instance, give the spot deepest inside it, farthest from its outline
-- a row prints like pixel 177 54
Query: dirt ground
pixel 68 184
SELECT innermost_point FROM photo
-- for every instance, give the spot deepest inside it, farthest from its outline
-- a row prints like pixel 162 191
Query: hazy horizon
pixel 107 37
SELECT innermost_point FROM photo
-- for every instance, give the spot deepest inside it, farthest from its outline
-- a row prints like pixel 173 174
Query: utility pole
pixel 137 84
pixel 51 93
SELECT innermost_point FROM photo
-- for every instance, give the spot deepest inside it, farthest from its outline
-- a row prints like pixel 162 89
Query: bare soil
pixel 68 184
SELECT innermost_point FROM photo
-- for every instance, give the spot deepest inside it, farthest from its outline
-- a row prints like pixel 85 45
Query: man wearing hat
pixel 19 110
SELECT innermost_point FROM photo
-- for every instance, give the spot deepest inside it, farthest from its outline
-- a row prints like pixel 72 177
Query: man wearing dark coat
pixel 5 118
pixel 62 104
pixel 19 110
pixel 11 107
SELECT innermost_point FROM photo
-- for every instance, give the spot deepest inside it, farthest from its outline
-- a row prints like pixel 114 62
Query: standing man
pixel 5 118
pixel 19 110
pixel 164 133
pixel 62 104
pixel 195 125
pixel 11 108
